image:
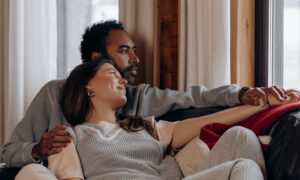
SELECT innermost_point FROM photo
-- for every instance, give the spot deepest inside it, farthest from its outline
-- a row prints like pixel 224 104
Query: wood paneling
pixel 242 25
pixel 166 44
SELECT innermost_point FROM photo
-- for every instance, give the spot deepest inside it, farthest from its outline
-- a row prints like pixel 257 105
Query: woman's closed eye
pixel 113 72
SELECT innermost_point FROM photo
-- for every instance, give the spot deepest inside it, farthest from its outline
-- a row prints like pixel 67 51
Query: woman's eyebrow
pixel 114 69
pixel 109 69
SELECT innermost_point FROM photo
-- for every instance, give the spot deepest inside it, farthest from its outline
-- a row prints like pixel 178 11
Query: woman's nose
pixel 123 81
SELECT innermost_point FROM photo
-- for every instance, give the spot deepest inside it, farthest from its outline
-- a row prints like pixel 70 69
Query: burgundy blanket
pixel 258 123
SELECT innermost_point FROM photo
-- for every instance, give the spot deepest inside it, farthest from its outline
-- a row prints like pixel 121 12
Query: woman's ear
pixel 88 87
pixel 96 55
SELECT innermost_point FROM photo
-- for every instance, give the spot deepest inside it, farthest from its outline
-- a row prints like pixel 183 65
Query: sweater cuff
pixel 27 157
pixel 235 96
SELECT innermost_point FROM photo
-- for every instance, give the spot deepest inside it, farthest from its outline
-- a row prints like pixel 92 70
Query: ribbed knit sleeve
pixel 66 164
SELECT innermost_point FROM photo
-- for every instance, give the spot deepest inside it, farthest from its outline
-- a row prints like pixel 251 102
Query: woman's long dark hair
pixel 76 104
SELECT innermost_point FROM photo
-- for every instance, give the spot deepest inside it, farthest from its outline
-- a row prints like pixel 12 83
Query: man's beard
pixel 130 73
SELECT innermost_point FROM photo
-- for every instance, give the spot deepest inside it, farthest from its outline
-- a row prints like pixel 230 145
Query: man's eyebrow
pixel 127 46
pixel 124 46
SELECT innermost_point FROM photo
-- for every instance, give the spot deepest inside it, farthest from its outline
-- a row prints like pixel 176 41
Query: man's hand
pixel 52 142
pixel 252 95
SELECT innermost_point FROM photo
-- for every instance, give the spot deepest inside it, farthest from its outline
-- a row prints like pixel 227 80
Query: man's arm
pixel 144 100
pixel 43 114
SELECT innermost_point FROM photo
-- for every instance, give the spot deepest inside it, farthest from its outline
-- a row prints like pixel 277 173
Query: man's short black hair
pixel 94 38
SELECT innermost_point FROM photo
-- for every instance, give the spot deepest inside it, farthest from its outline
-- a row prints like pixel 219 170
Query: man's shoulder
pixel 140 86
pixel 53 88
pixel 55 83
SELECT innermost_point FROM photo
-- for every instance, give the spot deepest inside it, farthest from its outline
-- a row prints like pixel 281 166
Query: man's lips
pixel 134 70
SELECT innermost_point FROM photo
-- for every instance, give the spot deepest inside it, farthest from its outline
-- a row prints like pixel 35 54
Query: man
pixel 40 133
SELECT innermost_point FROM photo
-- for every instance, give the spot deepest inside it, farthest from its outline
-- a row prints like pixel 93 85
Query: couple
pixel 40 133
pixel 109 145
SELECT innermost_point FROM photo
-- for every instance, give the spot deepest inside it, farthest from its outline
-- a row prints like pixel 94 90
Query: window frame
pixel 269 51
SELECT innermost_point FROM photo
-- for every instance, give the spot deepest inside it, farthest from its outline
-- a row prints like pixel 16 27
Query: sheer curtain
pixel 73 17
pixel 138 19
pixel 204 49
pixel 39 42
pixel 29 56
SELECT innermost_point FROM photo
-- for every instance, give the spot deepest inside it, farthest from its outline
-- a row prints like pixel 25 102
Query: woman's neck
pixel 102 113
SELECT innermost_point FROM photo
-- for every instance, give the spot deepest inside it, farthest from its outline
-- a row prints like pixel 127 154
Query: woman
pixel 113 146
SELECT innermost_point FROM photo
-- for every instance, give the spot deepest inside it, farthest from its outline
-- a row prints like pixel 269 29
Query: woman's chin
pixel 122 102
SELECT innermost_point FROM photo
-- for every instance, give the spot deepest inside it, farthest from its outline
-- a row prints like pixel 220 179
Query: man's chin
pixel 130 78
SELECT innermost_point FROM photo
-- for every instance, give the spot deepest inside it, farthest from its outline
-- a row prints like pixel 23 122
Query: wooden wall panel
pixel 166 44
pixel 242 26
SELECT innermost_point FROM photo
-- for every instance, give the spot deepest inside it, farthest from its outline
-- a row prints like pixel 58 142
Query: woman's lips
pixel 121 88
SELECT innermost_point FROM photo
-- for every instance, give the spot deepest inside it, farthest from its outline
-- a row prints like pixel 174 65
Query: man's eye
pixel 134 51
pixel 113 73
pixel 124 51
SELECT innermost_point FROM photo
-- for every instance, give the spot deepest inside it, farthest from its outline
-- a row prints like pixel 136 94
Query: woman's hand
pixel 291 96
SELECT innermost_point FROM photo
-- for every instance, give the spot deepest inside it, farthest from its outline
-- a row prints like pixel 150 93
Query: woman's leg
pixel 35 172
pixel 235 143
pixel 240 169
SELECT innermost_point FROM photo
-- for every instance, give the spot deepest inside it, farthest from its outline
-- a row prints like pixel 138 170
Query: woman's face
pixel 109 87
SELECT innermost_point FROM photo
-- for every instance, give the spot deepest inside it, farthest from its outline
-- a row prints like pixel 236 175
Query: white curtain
pixel 73 17
pixel 204 49
pixel 39 42
pixel 31 58
pixel 138 19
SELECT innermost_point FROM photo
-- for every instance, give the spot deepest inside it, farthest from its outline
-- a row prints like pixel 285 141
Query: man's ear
pixel 96 55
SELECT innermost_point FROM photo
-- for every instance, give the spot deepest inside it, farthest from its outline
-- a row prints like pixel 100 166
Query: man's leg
pixel 35 172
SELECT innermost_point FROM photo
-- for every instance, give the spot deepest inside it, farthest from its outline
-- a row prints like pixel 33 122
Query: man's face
pixel 121 49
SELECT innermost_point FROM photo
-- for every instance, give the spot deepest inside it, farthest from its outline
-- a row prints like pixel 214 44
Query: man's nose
pixel 133 58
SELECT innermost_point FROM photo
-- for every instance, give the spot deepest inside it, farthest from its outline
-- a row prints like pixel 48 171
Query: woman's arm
pixel 185 131
pixel 66 164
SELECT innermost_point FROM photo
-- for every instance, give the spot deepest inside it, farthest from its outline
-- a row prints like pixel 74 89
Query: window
pixel 73 17
pixel 284 43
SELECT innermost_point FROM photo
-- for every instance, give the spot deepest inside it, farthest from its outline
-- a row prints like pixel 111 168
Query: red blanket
pixel 258 123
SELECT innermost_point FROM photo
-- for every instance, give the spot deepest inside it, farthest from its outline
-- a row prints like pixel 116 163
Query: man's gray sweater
pixel 44 112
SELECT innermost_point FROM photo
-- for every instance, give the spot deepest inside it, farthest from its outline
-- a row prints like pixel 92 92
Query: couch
pixel 283 162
